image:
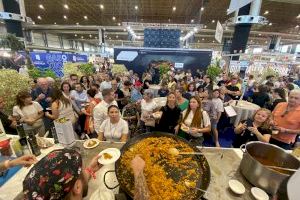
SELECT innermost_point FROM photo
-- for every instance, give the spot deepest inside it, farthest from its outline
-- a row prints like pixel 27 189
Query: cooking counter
pixel 223 163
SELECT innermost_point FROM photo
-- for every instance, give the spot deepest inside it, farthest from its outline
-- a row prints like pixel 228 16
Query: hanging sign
pixel 219 32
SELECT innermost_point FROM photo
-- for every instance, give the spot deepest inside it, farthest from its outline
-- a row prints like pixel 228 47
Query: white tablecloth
pixel 154 89
pixel 160 101
pixel 244 110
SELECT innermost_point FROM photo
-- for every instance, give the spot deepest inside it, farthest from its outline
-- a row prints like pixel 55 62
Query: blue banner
pixel 55 61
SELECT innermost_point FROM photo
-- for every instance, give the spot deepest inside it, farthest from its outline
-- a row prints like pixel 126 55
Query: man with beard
pixel 60 175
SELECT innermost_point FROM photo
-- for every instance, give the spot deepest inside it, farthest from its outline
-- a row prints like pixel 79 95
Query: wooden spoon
pixel 175 152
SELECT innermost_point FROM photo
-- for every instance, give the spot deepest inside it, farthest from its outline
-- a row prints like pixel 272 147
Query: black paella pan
pixel 124 175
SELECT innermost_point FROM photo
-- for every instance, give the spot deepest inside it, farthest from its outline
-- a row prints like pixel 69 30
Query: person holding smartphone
pixel 256 129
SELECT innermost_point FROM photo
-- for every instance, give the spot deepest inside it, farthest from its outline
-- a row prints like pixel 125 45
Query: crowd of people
pixel 116 108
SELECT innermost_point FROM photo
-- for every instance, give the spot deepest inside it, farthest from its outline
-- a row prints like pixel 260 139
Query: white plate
pixel 85 144
pixel 236 186
pixel 259 194
pixel 114 152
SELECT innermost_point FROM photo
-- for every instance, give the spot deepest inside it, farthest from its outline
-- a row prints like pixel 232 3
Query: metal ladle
pixel 175 152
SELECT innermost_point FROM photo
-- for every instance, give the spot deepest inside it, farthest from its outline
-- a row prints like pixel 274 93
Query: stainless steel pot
pixel 258 174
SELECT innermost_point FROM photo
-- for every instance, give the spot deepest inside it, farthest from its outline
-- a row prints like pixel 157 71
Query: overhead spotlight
pixel 202 8
pixel 213 41
pixel 192 20
pixel 266 12
pixel 119 24
pixel 101 6
pixel 205 26
pixel 195 29
pixel 114 18
pixel 136 7
pixel 85 17
pixel 297 26
pixel 39 17
pixel 81 37
pixel 77 23
pixel 33 23
pixel 124 29
pixel 117 36
pixel 90 36
pixel 259 34
pixel 96 37
pixel 174 8
pixel 169 20
pixel 41 6
pixel 203 39
pixel 109 38
pixel 266 42
pixel 65 17
pixel 213 21
pixel 270 24
pixel 66 6
pixel 75 35
pixel 54 23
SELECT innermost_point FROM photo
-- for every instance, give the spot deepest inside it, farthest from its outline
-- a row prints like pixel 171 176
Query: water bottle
pixel 25 147
pixel 20 130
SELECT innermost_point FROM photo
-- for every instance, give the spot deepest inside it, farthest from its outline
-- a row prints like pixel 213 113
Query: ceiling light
pixel 85 17
pixel 77 23
pixel 169 20
pixel 213 41
pixel 205 26
pixel 55 23
pixel 195 29
pixel 136 7
pixel 213 21
pixel 270 24
pixel 75 35
pixel 109 38
pixel 119 24
pixel 81 37
pixel 65 17
pixel 203 39
pixel 117 36
pixel 114 18
pixel 96 37
pixel 202 8
pixel 66 6
pixel 124 29
pixel 259 34
pixel 101 6
pixel 266 12
pixel 41 6
pixel 298 16
pixel 174 8
pixel 90 36
pixel 251 41
pixel 39 17
pixel 266 42
pixel 297 26
pixel 33 22
pixel 192 20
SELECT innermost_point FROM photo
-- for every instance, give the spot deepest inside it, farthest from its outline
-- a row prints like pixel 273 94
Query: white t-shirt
pixel 148 106
pixel 28 112
pixel 188 121
pixel 218 104
pixel 113 132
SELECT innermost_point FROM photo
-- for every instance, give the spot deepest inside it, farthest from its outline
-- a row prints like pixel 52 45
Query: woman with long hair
pixel 66 89
pixel 194 123
pixel 30 113
pixel 61 107
pixel 114 128
pixel 170 114
pixel 256 129
pixel 191 91
pixel 85 82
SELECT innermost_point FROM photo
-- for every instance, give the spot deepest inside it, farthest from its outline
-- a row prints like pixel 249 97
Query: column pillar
pixel 274 43
pixel 241 34
pixel 13 27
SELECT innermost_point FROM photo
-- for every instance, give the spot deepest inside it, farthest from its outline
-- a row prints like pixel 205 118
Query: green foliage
pixel 86 68
pixel 11 83
pixel 12 42
pixel 35 73
pixel 164 68
pixel 118 69
pixel 214 70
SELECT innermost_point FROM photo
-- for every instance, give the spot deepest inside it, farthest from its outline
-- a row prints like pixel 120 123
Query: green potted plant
pixel 214 70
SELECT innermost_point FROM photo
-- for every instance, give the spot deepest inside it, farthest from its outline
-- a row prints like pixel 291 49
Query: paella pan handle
pixel 243 148
pixel 104 178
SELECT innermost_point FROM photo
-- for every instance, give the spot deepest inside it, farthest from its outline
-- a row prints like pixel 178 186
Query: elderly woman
pixel 114 128
pixel 148 107
pixel 286 121
pixel 30 113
